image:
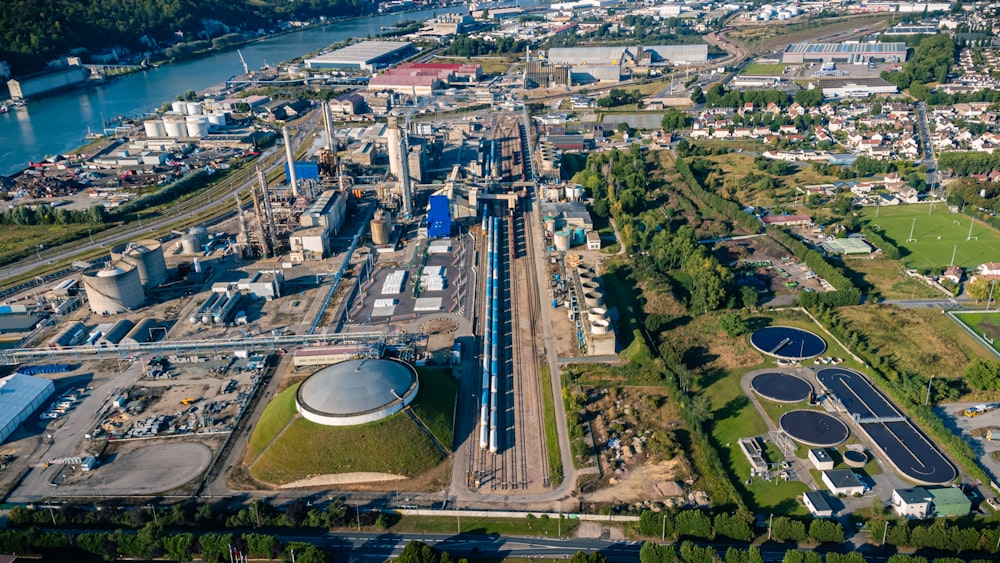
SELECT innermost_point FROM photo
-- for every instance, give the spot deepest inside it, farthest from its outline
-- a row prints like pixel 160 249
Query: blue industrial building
pixel 439 218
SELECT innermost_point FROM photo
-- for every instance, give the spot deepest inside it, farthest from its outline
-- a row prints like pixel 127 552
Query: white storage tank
pixel 190 244
pixel 114 290
pixel 574 193
pixel 201 233
pixel 197 126
pixel 178 107
pixel 194 108
pixel 593 299
pixel 174 127
pixel 600 327
pixel 154 128
pixel 216 119
pixel 553 193
pixel 147 257
pixel 562 241
pixel 597 314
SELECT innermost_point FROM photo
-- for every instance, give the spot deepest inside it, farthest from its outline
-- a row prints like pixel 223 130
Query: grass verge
pixel 551 435
pixel 275 417
pixel 435 403
pixel 550 527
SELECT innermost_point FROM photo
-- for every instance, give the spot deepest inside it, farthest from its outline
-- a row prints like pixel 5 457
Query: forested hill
pixel 33 32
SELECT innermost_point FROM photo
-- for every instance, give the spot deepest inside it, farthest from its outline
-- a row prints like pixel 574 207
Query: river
pixel 59 123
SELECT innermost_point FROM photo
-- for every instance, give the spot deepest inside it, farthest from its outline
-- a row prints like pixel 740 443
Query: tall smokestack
pixel 243 219
pixel 404 181
pixel 392 143
pixel 329 130
pixel 291 163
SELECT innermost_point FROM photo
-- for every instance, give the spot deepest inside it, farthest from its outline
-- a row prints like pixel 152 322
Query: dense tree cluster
pixel 33 32
pixel 45 215
pixel 963 163
pixel 729 209
pixel 879 239
pixel 674 119
pixel 931 61
pixel 718 96
pixel 983 375
pixel 466 46
pixel 619 97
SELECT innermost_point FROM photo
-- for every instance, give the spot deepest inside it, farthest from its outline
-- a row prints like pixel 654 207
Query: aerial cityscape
pixel 598 280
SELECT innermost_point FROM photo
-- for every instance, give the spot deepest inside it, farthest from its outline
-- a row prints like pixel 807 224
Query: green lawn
pixel 435 403
pixel 937 232
pixel 306 449
pixel 757 69
pixel 986 325
pixel 551 435
pixel 18 241
pixel 275 417
pixel 478 525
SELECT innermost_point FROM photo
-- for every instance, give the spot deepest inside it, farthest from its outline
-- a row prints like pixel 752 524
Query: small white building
pixel 820 459
pixel 593 240
pixel 843 482
pixel 817 504
pixel 911 503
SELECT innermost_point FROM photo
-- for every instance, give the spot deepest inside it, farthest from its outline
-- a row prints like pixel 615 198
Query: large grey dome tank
pixel 114 290
pixel 356 392
pixel 147 257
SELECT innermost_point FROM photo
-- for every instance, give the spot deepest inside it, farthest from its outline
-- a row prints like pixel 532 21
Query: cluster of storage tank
pixel 491 341
pixel 194 241
pixel 571 192
pixel 186 119
pixel 218 309
pixel 593 298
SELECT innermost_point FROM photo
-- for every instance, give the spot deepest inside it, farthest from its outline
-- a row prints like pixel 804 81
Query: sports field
pixel 937 233
pixel 757 69
pixel 986 325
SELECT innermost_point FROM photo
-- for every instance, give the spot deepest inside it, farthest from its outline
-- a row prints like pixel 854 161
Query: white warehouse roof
pixel 20 395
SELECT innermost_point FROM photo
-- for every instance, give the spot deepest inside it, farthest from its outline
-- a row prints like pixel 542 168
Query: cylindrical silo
pixel 178 107
pixel 590 287
pixel 597 314
pixel 381 226
pixel 562 241
pixel 194 108
pixel 600 327
pixel 588 276
pixel 216 119
pixel 154 128
pixel 147 257
pixel 574 192
pixel 593 299
pixel 553 193
pixel 174 127
pixel 201 233
pixel 550 226
pixel 190 244
pixel 114 290
pixel 197 126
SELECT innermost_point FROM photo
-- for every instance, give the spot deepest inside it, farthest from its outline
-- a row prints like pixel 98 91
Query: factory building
pixel 21 395
pixel 638 55
pixel 423 79
pixel 70 334
pixel 147 257
pixel 855 87
pixel 115 333
pixel 319 222
pixel 798 53
pixel 366 55
pixel 47 82
pixel 357 391
pixel 141 333
pixel 114 289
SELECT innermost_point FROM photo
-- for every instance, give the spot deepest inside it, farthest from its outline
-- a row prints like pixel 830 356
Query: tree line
pixel 729 209
pixel 878 238
pixel 33 33
pixel 466 46
pixel 43 214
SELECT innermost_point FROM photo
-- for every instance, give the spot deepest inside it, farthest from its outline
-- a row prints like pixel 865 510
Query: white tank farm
pixel 114 290
pixel 147 257
pixel 197 126
pixel 178 107
pixel 154 128
pixel 194 108
pixel 174 127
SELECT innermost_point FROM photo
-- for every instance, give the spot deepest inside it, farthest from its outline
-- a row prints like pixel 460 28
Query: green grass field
pixel 937 233
pixel 308 449
pixel 986 325
pixel 435 403
pixel 757 69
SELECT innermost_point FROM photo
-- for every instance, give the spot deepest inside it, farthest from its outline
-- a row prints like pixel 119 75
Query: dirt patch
pixel 429 481
pixel 656 482
pixel 439 326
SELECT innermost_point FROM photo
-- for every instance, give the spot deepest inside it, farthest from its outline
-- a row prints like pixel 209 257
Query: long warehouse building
pixel 798 53
pixel 366 55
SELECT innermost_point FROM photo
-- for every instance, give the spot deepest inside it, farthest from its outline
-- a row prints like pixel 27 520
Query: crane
pixel 246 69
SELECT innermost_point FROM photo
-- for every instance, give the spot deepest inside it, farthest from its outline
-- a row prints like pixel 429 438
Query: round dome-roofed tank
pixel 114 290
pixel 174 127
pixel 356 392
pixel 154 128
pixel 201 233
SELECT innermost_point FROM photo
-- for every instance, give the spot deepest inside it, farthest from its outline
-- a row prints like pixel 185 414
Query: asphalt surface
pixel 903 444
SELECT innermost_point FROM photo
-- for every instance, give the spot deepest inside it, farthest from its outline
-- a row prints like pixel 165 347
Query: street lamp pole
pixel 38 252
pixel 927 398
pixel 989 300
pixel 90 234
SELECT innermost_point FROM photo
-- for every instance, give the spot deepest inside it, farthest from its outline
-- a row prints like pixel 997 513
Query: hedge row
pixel 188 183
pixel 846 293
pixel 888 248
pixel 906 389
pixel 728 209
